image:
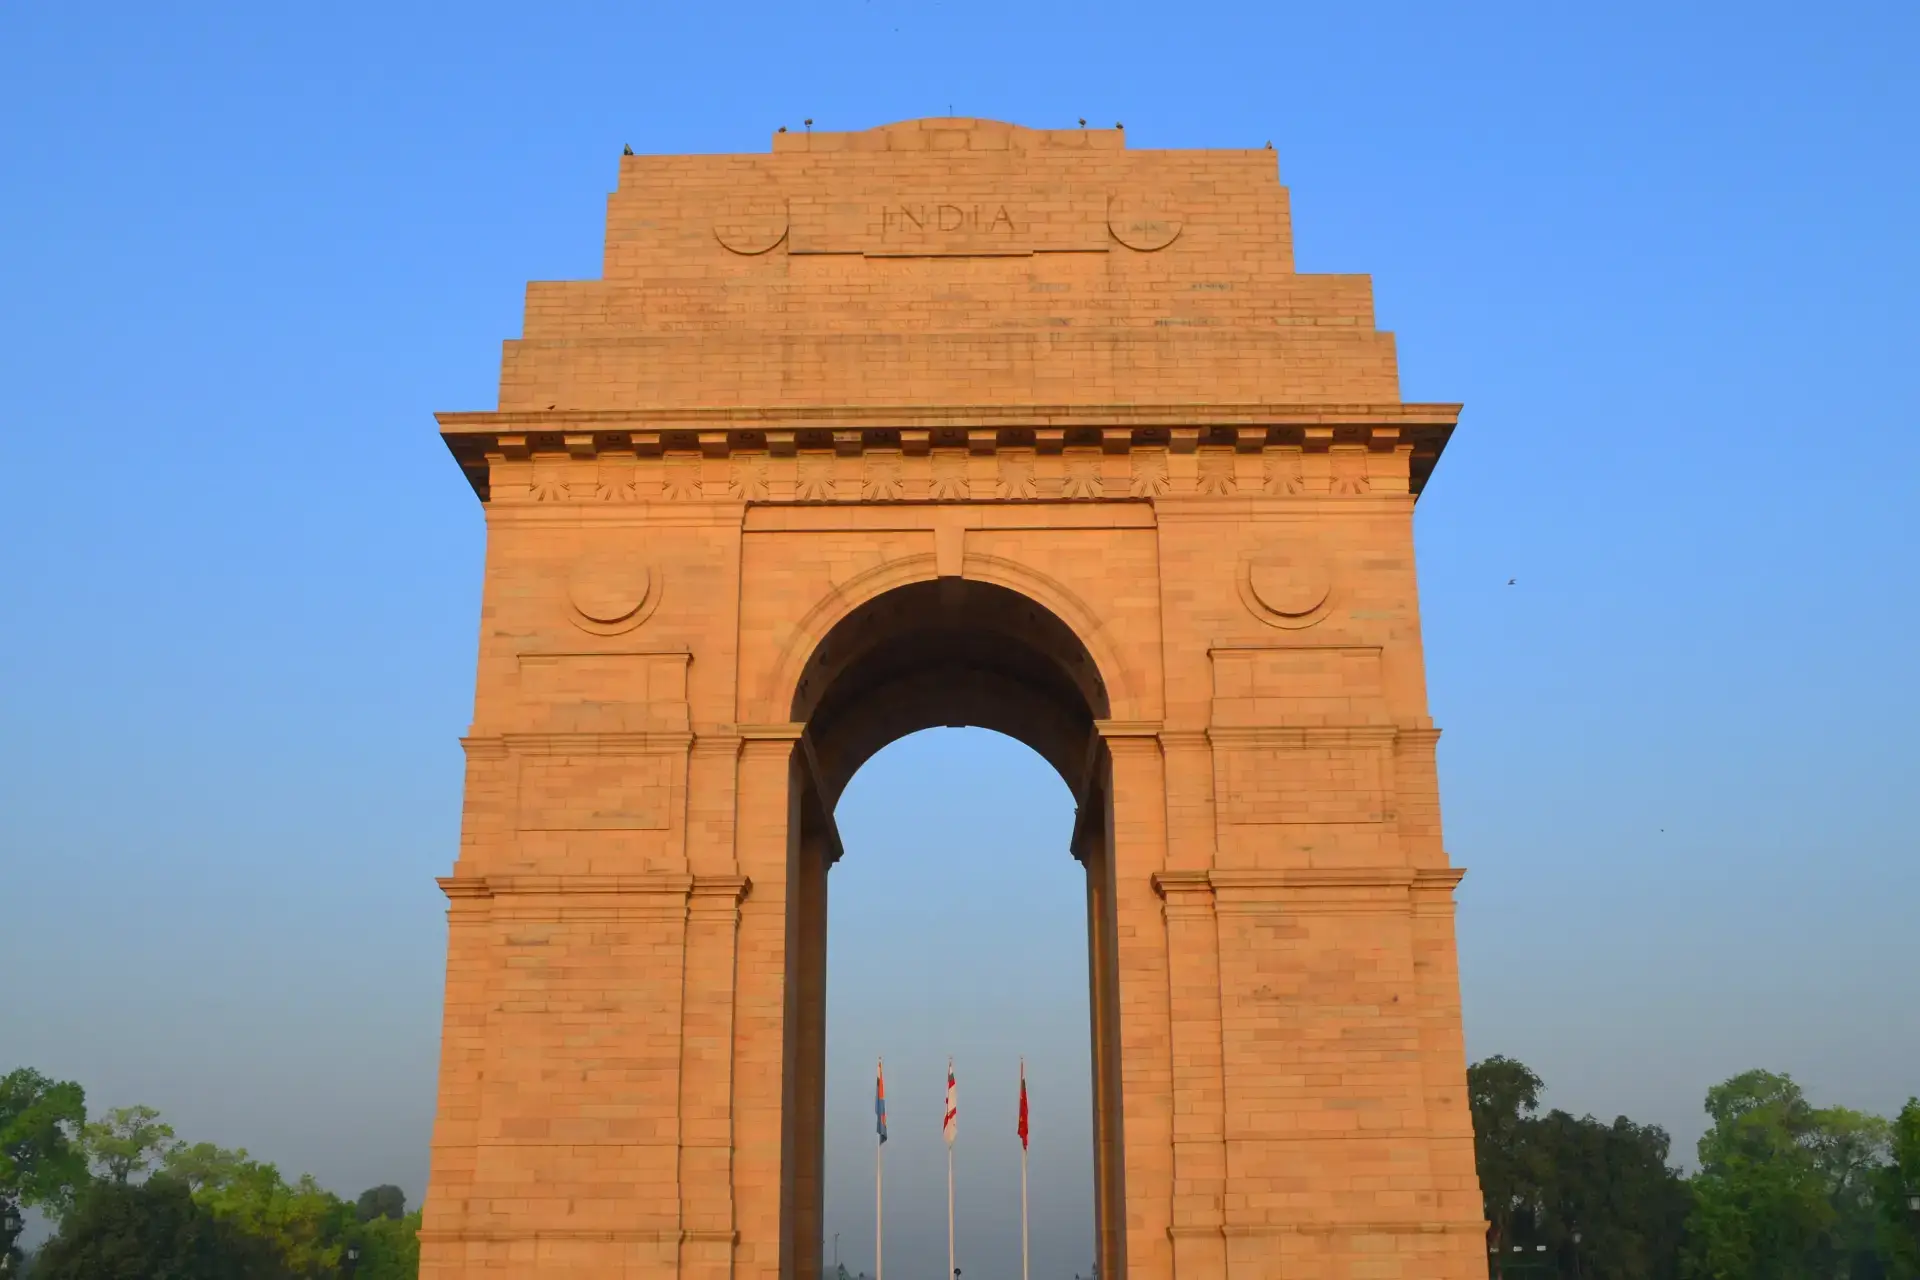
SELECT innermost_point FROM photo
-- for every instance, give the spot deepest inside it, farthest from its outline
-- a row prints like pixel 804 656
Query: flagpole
pixel 1023 1213
pixel 949 1128
pixel 1023 1169
pixel 880 1169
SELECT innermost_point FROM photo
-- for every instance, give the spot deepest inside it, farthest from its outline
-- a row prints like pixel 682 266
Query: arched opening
pixel 949 653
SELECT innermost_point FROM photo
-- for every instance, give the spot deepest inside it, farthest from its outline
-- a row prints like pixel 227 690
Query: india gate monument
pixel 950 422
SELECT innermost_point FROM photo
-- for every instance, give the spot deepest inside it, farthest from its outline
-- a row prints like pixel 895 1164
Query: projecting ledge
pixel 1311 890
pixel 1424 1226
pixel 680 886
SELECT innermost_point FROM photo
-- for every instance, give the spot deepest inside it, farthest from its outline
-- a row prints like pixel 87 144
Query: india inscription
pixel 950 422
pixel 919 224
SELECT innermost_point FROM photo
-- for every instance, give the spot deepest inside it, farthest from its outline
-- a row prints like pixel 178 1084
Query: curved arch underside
pixel 949 653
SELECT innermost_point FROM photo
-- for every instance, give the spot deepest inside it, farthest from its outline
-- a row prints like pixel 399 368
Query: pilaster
pixel 463 1050
pixel 706 1078
pixel 765 813
pixel 1146 1095
pixel 1199 1090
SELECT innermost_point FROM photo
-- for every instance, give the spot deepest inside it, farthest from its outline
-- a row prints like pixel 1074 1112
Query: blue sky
pixel 1664 254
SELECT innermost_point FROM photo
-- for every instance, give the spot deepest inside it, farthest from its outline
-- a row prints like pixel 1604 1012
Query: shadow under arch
pixel 957 653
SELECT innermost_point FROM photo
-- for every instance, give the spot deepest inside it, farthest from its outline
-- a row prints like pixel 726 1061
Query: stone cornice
pixel 964 418
pixel 1315 878
pixel 784 732
pixel 1433 890
pixel 658 896
pixel 1337 1227
pixel 1113 730
pixel 638 1235
pixel 504 886
pixel 728 889
pixel 645 742
pixel 1414 434
pixel 1303 735
pixel 1329 890
pixel 1181 881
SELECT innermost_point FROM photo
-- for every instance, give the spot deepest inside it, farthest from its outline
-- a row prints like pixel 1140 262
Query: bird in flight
pixel 1511 581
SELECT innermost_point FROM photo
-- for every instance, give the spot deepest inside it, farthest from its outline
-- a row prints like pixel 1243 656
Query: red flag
pixel 1023 1104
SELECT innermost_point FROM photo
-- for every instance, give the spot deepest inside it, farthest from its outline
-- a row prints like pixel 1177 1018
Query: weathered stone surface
pixel 950 422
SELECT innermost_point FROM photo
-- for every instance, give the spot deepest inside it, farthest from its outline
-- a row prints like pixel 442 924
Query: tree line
pixel 1784 1190
pixel 130 1201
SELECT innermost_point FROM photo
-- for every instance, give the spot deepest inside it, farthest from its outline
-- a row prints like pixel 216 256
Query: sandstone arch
pixel 1086 460
pixel 947 652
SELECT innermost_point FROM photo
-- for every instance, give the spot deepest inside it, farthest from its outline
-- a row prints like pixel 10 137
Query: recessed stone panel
pixel 1302 784
pixel 595 792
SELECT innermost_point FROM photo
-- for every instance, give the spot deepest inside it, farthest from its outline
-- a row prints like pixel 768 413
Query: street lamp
pixel 353 1259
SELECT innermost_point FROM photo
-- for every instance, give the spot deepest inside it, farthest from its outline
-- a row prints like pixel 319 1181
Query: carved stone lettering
pixel 918 217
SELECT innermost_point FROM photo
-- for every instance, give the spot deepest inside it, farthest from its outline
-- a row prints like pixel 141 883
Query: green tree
pixel 1611 1186
pixel 1503 1095
pixel 307 1226
pixel 203 1166
pixel 1761 1205
pixel 150 1231
pixel 389 1248
pixel 1850 1149
pixel 128 1141
pixel 41 1164
pixel 1896 1184
pixel 383 1201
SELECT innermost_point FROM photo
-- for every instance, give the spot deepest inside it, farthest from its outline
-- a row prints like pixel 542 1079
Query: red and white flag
pixel 1023 1104
pixel 948 1125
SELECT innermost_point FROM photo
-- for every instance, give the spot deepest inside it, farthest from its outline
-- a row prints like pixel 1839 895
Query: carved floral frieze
pixel 974 466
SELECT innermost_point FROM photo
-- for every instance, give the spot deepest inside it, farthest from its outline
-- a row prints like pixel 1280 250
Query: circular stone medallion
pixel 751 225
pixel 1287 587
pixel 611 594
pixel 1142 222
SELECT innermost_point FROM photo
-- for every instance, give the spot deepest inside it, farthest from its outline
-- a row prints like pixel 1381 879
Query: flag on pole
pixel 1025 1271
pixel 948 1125
pixel 880 1099
pixel 1023 1104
